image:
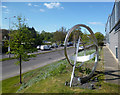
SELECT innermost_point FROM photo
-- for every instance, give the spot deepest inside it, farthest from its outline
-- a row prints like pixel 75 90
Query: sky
pixel 50 16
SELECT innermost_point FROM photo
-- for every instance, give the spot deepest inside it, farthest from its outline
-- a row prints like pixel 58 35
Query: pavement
pixel 9 69
pixel 111 68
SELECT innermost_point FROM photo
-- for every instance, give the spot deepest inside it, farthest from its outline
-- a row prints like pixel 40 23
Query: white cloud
pixel 27 19
pixel 42 10
pixel 52 5
pixel 4 6
pixel 36 5
pixel 29 4
pixel 62 7
pixel 96 23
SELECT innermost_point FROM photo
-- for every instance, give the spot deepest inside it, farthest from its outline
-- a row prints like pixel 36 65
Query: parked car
pixel 70 44
pixel 45 47
pixel 54 45
pixel 38 47
pixel 61 45
pixel 50 46
pixel 81 47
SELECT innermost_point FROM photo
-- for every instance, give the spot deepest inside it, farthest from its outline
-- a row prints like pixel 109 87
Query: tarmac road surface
pixel 9 69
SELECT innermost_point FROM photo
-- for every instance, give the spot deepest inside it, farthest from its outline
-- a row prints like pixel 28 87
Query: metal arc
pixel 96 47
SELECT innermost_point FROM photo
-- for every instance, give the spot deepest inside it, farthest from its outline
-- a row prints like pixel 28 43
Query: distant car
pixel 54 45
pixel 70 44
pixel 50 46
pixel 38 47
pixel 61 45
pixel 45 47
pixel 81 47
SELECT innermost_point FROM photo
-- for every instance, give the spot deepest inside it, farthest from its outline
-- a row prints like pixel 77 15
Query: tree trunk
pixel 20 70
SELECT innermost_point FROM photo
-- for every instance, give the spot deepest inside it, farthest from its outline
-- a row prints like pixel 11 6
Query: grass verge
pixel 51 79
pixel 4 59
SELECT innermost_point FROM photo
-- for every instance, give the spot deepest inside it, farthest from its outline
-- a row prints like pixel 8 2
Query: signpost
pixel 81 59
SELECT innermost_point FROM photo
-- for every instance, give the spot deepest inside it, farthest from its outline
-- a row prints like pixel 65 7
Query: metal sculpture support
pixel 84 58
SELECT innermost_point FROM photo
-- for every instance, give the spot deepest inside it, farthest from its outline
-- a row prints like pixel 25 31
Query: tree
pixel 36 36
pixel 75 34
pixel 5 38
pixel 100 37
pixel 46 36
pixel 21 42
pixel 59 35
pixel 38 39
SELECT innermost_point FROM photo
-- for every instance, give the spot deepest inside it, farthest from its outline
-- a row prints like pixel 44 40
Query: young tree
pixel 100 37
pixel 21 42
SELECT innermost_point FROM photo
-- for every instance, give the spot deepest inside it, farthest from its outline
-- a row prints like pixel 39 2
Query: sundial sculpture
pixel 81 59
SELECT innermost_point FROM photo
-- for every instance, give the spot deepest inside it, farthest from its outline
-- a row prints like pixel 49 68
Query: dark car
pixel 54 45
pixel 70 44
pixel 61 45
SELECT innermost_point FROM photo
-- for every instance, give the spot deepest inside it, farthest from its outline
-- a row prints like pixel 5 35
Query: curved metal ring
pixel 94 40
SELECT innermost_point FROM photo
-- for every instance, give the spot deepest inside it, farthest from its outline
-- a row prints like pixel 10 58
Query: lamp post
pixel 9 33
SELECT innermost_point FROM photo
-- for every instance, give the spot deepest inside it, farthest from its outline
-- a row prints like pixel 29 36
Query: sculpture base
pixel 88 85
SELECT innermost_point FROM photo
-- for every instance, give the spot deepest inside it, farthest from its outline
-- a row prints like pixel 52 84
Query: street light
pixel 9 33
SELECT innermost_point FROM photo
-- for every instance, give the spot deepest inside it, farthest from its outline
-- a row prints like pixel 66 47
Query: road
pixel 9 69
pixel 39 51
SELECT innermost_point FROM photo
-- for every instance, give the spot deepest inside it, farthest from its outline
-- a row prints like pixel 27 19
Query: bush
pixel 4 49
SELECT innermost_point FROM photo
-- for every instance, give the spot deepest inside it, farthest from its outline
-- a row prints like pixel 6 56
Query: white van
pixel 44 47
pixel 38 47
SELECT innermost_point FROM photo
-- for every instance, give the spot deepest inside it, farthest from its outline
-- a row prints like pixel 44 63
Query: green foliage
pixel 75 34
pixel 85 39
pixel 37 38
pixel 5 46
pixel 5 38
pixel 59 36
pixel 46 36
pixel 100 37
pixel 22 40
pixel 5 34
pixel 87 70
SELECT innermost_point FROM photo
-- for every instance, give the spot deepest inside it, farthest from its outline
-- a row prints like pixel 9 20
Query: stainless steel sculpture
pixel 84 58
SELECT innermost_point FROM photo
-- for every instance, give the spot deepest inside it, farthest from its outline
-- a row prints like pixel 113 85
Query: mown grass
pixel 10 85
pixel 56 84
pixel 4 59
pixel 51 79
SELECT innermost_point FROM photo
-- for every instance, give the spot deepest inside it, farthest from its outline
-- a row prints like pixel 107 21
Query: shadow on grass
pixel 110 73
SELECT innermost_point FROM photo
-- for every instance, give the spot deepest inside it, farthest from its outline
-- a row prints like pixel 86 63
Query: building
pixel 112 30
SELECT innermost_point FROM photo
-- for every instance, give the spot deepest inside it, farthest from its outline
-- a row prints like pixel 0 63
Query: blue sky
pixel 52 16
